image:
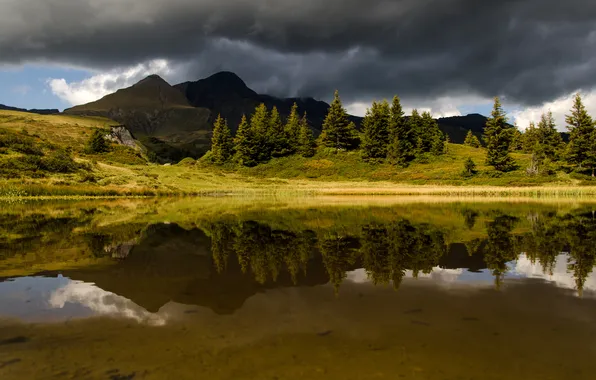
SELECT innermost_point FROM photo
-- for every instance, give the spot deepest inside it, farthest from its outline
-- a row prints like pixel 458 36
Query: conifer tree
pixel 402 140
pixel 415 128
pixel 531 138
pixel 471 140
pixel 498 139
pixel 426 133
pixel 306 140
pixel 517 140
pixel 221 141
pixel 276 135
pixel 338 132
pixel 376 131
pixel 550 142
pixel 245 144
pixel 581 128
pixel 259 125
pixel 292 131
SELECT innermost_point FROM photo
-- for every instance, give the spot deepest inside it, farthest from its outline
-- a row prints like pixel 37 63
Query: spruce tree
pixel 338 132
pixel 276 135
pixel 415 127
pixel 221 141
pixel 292 131
pixel 427 131
pixel 471 140
pixel 376 131
pixel 306 140
pixel 581 128
pixel 550 142
pixel 245 144
pixel 259 125
pixel 531 139
pixel 402 141
pixel 497 135
pixel 517 140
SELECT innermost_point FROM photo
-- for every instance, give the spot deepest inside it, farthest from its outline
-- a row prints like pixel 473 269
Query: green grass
pixel 30 143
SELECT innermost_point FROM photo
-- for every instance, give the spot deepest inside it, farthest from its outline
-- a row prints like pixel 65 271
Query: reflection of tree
pixel 500 246
pixel 469 217
pixel 473 246
pixel 222 239
pixel 375 252
pixel 339 255
pixel 543 244
pixel 389 250
pixel 581 236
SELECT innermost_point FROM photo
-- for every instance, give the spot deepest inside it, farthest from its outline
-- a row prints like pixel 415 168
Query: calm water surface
pixel 221 289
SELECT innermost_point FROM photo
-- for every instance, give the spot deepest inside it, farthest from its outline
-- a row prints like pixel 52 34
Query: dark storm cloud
pixel 527 50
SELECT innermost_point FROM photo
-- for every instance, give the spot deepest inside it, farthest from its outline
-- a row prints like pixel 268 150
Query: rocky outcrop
pixel 121 135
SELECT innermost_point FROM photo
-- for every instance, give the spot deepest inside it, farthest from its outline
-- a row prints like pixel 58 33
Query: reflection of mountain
pixel 223 263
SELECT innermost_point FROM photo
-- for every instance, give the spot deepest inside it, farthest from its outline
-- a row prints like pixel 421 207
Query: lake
pixel 308 288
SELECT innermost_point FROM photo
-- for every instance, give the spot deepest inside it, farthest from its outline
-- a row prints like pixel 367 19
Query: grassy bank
pixel 44 156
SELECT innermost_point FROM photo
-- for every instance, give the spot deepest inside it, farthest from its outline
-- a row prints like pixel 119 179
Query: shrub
pixel 97 142
pixel 469 168
pixel 188 161
pixel 59 162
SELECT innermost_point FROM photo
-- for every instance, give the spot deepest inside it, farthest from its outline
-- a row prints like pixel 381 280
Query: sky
pixel 450 57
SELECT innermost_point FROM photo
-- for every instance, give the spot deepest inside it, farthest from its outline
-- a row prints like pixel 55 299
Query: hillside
pixel 158 115
pixel 38 111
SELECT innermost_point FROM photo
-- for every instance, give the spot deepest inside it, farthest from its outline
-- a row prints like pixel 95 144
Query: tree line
pixel 387 135
pixel 543 141
pixel 387 250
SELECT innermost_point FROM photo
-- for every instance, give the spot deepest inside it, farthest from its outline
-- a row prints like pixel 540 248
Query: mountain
pixel 33 110
pixel 158 115
pixel 225 93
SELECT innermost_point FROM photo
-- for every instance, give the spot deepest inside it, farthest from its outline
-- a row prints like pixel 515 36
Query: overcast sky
pixel 448 56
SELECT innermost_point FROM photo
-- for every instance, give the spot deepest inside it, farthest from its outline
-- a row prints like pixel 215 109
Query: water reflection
pixel 219 263
pixel 177 290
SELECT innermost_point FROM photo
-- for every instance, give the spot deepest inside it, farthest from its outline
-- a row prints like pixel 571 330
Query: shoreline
pixel 308 189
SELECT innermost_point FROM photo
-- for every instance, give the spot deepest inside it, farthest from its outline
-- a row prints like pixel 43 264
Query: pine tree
pixel 276 135
pixel 292 131
pixel 306 140
pixel 498 139
pixel 415 127
pixel 402 139
pixel 245 144
pixel 376 131
pixel 550 142
pixel 581 128
pixel 221 142
pixel 260 125
pixel 471 140
pixel 531 139
pixel 337 131
pixel 431 137
pixel 517 140
pixel 97 142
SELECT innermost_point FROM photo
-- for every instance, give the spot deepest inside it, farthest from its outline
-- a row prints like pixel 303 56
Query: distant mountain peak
pixel 152 79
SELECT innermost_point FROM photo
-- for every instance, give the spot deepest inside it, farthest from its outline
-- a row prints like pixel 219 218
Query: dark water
pixel 297 290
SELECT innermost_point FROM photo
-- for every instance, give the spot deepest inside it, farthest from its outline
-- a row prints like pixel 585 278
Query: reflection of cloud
pixel 561 275
pixel 102 303
pixel 439 275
